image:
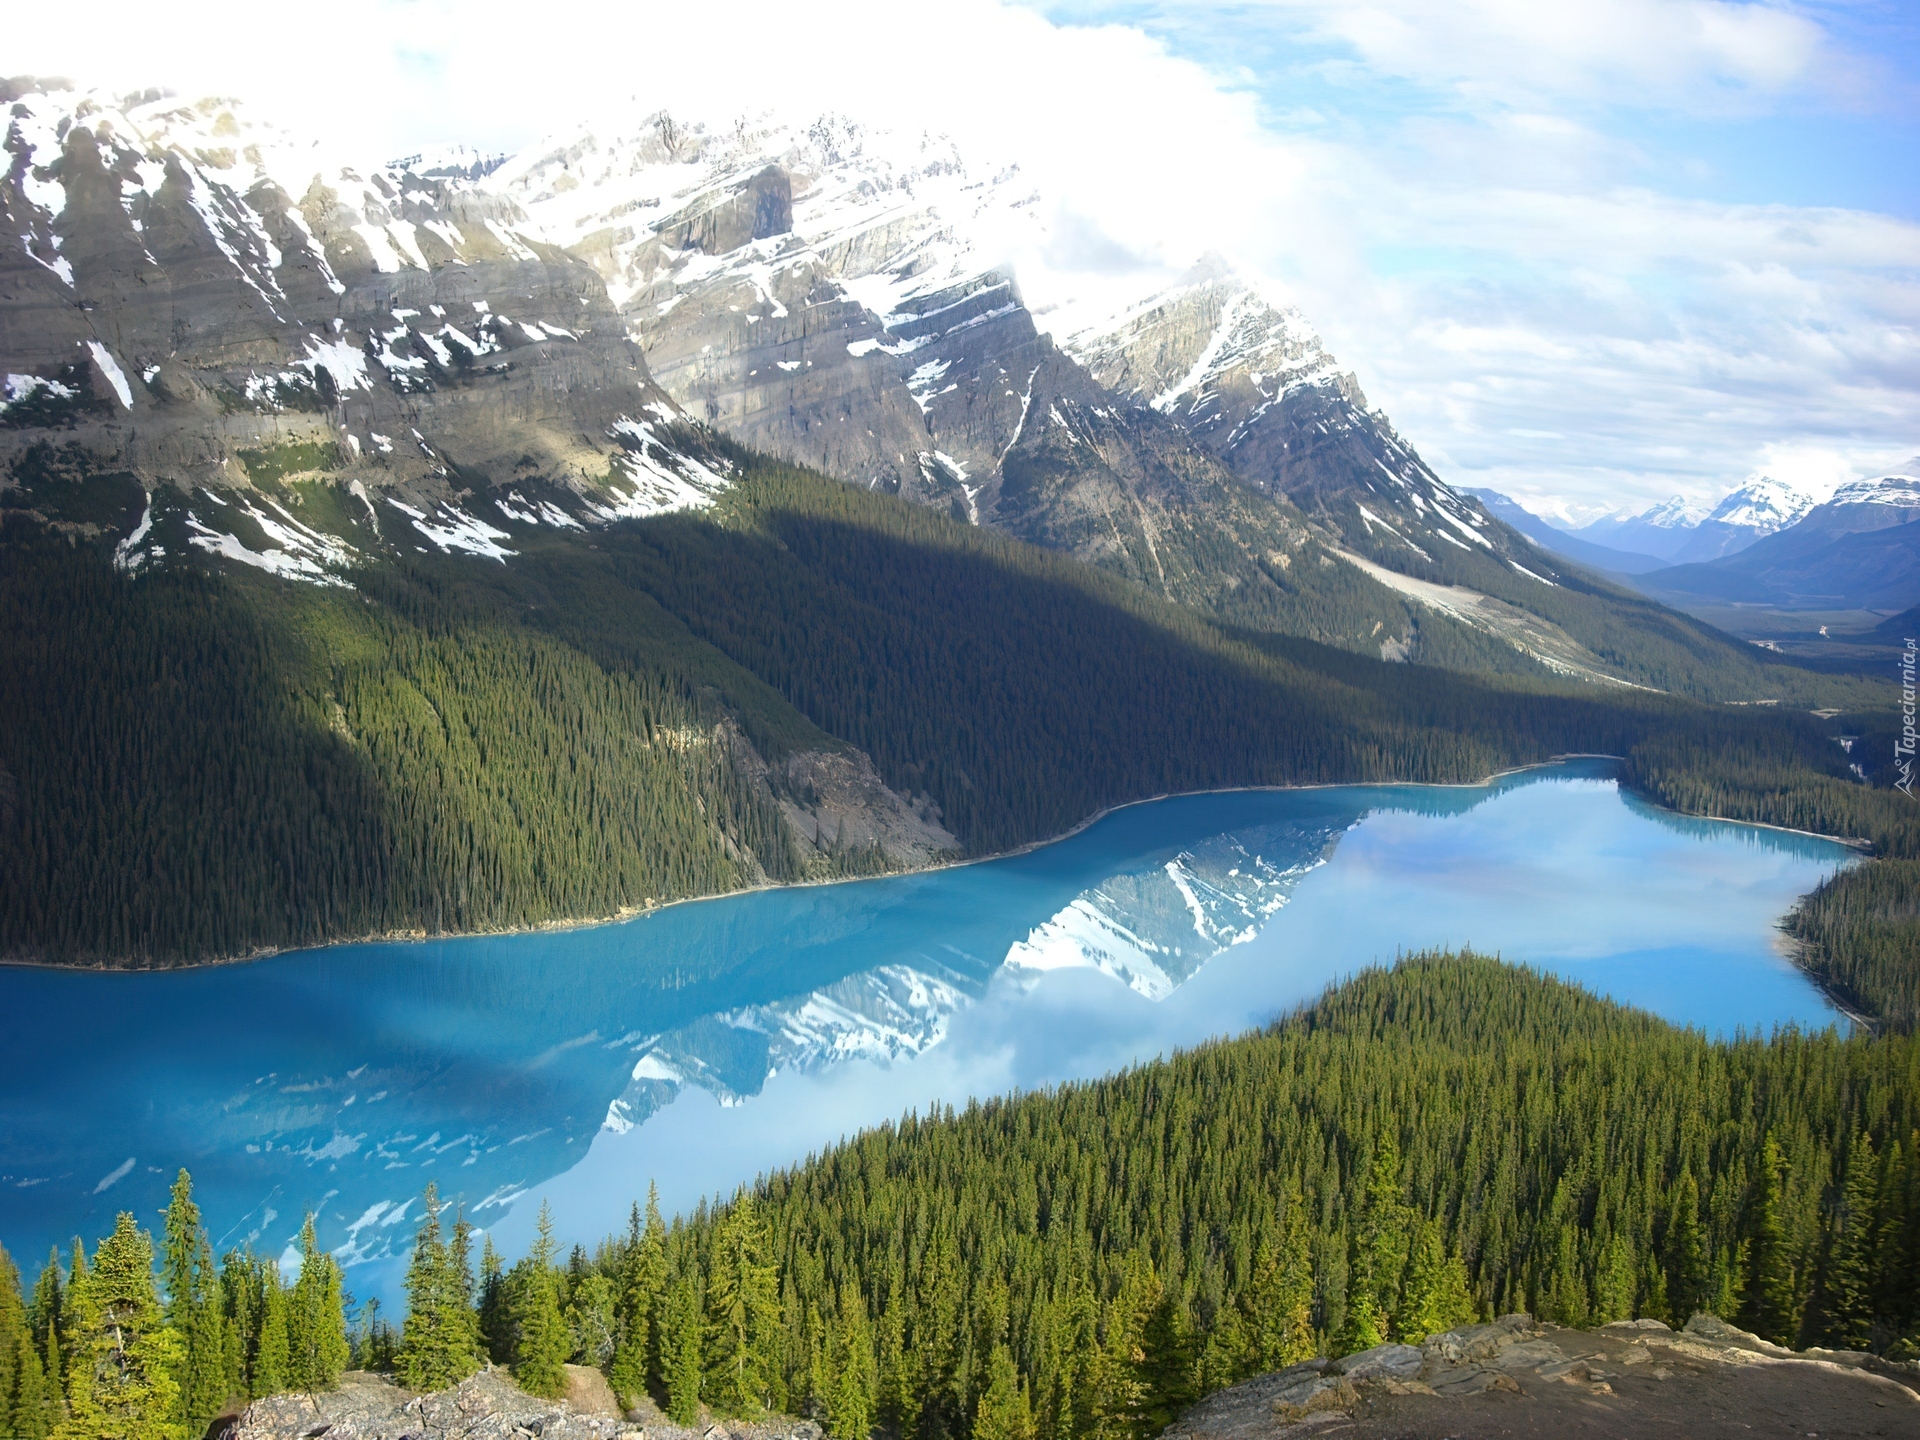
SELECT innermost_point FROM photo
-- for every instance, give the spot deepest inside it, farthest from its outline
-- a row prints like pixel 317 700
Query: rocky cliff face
pixel 836 296
pixel 1252 384
pixel 196 302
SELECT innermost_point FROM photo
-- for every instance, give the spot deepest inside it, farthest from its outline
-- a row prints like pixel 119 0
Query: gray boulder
pixel 1382 1362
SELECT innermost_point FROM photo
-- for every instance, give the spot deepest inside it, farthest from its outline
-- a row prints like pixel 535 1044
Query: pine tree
pixel 24 1411
pixel 1436 1291
pixel 643 1281
pixel 1380 1248
pixel 122 1357
pixel 1688 1277
pixel 1850 1277
pixel 1004 1411
pixel 316 1319
pixel 1280 1297
pixel 1120 1384
pixel 544 1344
pixel 1613 1286
pixel 273 1355
pixel 194 1311
pixel 498 1338
pixel 437 1341
pixel 743 1312
pixel 45 1313
pixel 1772 1294
pixel 852 1381
pixel 680 1349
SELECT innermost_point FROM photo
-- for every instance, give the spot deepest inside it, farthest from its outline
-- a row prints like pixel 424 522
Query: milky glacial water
pixel 706 1043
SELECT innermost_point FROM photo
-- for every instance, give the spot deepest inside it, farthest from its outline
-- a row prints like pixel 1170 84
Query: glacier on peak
pixel 1762 505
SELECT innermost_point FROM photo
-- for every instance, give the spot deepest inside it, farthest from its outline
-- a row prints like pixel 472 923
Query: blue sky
pixel 1609 368
pixel 1592 254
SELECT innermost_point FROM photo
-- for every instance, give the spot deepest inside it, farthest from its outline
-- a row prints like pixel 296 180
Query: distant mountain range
pixel 1764 544
pixel 1858 551
pixel 1562 542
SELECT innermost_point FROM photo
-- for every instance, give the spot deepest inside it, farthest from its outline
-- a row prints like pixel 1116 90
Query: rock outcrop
pixel 487 1406
pixel 1515 1378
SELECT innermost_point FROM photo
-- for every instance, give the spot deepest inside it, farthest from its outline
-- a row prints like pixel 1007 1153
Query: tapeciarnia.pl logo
pixel 1903 747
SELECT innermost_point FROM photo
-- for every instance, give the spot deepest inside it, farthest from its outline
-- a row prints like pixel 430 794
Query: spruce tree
pixel 852 1379
pixel 899 1402
pixel 1773 1301
pixel 273 1354
pixel 194 1311
pixel 122 1356
pixel 438 1345
pixel 590 1320
pixel 1120 1389
pixel 1688 1276
pixel 1436 1290
pixel 240 1303
pixel 544 1344
pixel 495 1313
pixel 461 1299
pixel 1004 1411
pixel 1381 1245
pixel 643 1281
pixel 1613 1285
pixel 1279 1301
pixel 680 1356
pixel 1848 1302
pixel 316 1319
pixel 743 1312
pixel 1896 1245
pixel 45 1313
pixel 25 1413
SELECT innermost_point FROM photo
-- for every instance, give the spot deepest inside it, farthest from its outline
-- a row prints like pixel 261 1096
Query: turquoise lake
pixel 708 1042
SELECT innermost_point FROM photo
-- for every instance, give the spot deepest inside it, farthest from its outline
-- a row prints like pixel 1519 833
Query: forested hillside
pixel 207 765
pixel 1446 1141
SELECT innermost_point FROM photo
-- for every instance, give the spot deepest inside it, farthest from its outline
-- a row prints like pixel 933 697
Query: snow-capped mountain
pixel 1860 549
pixel 1548 536
pixel 1660 530
pixel 196 300
pixel 1759 508
pixel 465 347
pixel 1764 505
pixel 839 296
pixel 1899 491
pixel 1153 931
pixel 1682 531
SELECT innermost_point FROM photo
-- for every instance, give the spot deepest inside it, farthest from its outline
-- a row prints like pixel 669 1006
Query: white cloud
pixel 1688 54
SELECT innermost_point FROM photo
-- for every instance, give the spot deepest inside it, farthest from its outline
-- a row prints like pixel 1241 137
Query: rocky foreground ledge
pixel 1515 1378
pixel 487 1406
pixel 1508 1378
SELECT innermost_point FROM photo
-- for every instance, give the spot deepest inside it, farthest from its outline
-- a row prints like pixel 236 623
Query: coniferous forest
pixel 1423 1147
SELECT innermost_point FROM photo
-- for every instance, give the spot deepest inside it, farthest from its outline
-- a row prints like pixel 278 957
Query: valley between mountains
pixel 471 543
